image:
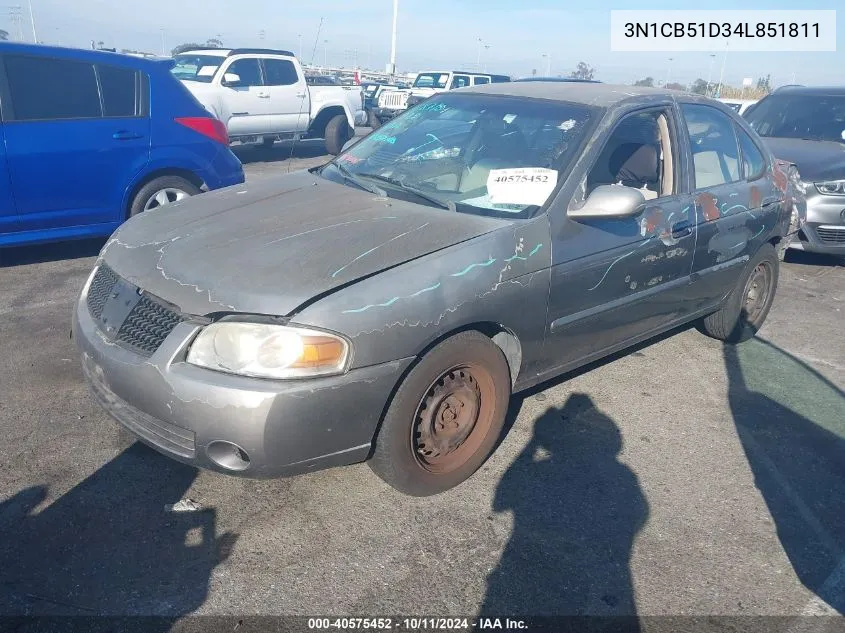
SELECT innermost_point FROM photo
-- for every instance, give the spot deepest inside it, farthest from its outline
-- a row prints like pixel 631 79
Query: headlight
pixel 832 187
pixel 266 350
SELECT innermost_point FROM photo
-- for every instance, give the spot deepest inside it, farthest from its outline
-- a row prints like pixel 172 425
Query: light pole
pixel 486 48
pixel 668 72
pixel 722 72
pixel 548 58
pixel 32 21
pixel 478 55
pixel 709 74
pixel 392 67
pixel 325 53
pixel 300 45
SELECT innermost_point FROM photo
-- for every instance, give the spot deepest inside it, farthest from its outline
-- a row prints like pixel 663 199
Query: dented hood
pixel 268 248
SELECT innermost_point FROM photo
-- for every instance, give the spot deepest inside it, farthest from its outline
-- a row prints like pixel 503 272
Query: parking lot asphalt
pixel 683 477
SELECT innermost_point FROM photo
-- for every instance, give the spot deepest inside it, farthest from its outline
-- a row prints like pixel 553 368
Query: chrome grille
pixel 99 290
pixel 146 327
pixel 831 235
pixel 392 99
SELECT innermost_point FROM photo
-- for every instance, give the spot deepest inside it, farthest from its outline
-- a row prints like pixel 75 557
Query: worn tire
pixel 145 193
pixel 398 455
pixel 337 133
pixel 731 323
pixel 373 120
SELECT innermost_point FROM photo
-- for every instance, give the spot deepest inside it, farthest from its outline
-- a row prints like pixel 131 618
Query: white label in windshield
pixel 524 185
pixel 206 71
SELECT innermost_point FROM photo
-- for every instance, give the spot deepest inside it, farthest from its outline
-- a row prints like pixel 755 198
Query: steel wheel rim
pixel 453 418
pixel 757 291
pixel 164 197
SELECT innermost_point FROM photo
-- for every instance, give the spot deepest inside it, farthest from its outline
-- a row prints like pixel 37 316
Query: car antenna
pixel 302 100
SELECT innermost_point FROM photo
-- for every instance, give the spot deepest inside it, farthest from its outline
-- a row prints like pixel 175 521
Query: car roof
pixel 458 72
pixel 563 79
pixel 594 94
pixel 826 91
pixel 83 54
pixel 228 52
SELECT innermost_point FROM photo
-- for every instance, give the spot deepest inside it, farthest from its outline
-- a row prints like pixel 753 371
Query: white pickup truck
pixel 262 96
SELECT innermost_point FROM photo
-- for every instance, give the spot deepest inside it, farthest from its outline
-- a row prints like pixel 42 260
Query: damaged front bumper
pixel 233 424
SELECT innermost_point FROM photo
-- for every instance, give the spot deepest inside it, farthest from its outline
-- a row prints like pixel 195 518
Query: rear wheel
pixel 748 305
pixel 445 418
pixel 337 133
pixel 160 192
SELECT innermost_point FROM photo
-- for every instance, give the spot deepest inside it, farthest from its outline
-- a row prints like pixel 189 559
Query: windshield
pixel 431 80
pixel 196 67
pixel 817 118
pixel 490 155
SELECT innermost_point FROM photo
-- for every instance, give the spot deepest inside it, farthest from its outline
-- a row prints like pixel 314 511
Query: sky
pixel 433 34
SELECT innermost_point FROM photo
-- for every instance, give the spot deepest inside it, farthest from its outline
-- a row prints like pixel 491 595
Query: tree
pixel 185 47
pixel 4 35
pixel 583 71
pixel 214 43
pixel 648 82
pixel 101 44
pixel 700 87
pixel 764 84
pixel 674 85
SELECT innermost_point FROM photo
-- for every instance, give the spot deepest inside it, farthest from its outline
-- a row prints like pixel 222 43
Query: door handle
pixel 263 95
pixel 125 135
pixel 767 202
pixel 681 229
pixel 301 95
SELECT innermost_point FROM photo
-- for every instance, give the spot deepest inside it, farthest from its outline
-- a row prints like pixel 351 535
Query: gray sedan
pixel 386 305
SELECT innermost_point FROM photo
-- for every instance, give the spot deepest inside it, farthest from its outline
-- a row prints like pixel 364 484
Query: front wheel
pixel 160 192
pixel 445 418
pixel 749 303
pixel 337 133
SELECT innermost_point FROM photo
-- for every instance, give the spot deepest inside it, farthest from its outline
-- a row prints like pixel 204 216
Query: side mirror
pixel 349 144
pixel 231 79
pixel 610 201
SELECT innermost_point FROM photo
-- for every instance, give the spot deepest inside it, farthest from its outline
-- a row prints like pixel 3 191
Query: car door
pixel 8 213
pixel 618 280
pixel 289 95
pixel 735 200
pixel 71 152
pixel 247 99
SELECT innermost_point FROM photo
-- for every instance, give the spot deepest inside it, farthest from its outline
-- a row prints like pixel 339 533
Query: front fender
pixel 500 278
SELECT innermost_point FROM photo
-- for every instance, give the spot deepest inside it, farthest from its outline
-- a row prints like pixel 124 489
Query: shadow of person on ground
pixel 576 511
pixel 791 422
pixel 108 547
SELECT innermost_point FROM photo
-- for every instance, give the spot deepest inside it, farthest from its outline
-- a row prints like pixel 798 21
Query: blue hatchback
pixel 90 138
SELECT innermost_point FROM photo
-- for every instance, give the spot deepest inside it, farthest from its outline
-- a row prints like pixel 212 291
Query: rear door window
pixel 43 88
pixel 460 81
pixel 280 72
pixel 120 91
pixel 753 163
pixel 477 81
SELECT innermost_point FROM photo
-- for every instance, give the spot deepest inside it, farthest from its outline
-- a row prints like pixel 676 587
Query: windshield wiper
pixel 348 175
pixel 443 204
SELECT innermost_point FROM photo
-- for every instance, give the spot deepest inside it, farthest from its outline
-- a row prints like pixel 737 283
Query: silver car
pixel 806 126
